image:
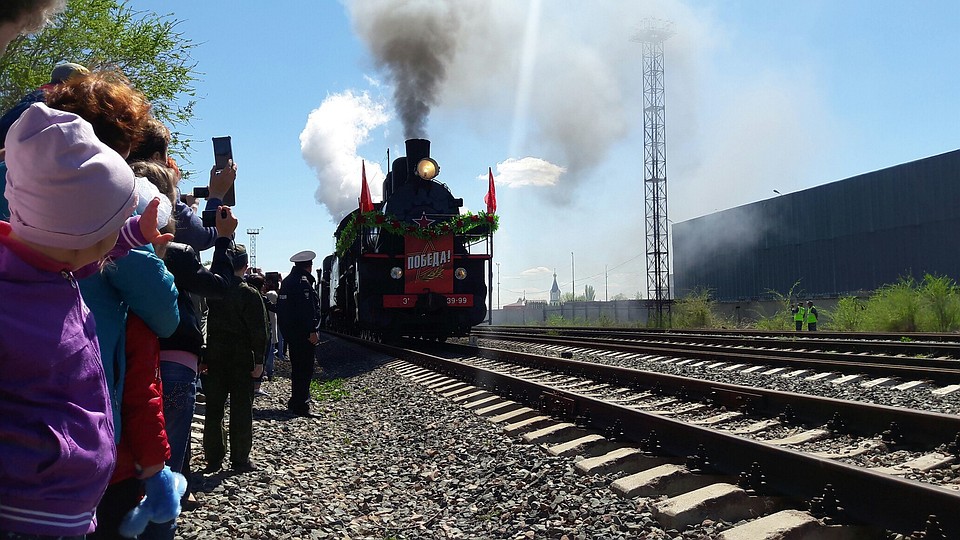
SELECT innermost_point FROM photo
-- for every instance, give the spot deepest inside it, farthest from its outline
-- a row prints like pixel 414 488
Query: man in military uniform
pixel 236 340
pixel 298 316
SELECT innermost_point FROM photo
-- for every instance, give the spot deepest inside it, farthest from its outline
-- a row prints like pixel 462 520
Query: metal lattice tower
pixel 253 247
pixel 651 35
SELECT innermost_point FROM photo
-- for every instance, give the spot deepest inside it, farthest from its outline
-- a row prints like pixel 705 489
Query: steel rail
pixel 943 337
pixel 944 352
pixel 943 345
pixel 921 428
pixel 865 496
pixel 943 371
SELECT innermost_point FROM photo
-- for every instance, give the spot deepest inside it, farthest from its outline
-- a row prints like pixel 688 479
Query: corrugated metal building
pixel 839 238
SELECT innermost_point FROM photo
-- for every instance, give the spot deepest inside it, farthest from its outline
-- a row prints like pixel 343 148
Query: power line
pixel 614 267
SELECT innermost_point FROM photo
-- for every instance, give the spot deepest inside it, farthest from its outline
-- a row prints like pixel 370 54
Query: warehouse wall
pixel 840 238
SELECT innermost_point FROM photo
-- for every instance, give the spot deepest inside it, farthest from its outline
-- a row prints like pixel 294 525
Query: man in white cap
pixel 298 316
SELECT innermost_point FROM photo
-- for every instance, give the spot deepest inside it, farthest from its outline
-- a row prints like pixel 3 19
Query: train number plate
pixel 460 300
pixel 410 300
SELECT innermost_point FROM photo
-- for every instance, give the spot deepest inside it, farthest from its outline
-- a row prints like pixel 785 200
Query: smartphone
pixel 209 217
pixel 222 153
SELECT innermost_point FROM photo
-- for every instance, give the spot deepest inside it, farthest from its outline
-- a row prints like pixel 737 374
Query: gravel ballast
pixel 394 460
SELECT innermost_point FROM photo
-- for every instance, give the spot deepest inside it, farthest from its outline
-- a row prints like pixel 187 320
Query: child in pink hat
pixel 70 198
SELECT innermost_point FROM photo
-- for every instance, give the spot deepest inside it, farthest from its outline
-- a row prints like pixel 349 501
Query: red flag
pixel 491 197
pixel 366 204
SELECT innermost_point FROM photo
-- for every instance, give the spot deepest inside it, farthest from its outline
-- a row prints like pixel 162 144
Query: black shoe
pixel 243 467
pixel 299 411
pixel 212 468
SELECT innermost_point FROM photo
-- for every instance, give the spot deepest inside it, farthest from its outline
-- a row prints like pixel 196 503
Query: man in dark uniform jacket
pixel 298 316
pixel 236 340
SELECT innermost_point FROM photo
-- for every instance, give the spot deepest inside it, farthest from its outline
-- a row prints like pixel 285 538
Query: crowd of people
pixel 110 318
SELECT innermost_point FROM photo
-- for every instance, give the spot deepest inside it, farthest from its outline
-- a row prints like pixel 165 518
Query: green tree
pixel 144 46
pixel 589 294
pixel 619 296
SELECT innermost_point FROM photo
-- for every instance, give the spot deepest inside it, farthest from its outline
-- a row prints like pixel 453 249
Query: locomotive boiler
pixel 411 265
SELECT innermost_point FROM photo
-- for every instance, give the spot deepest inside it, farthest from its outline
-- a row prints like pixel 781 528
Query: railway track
pixel 716 450
pixel 917 345
pixel 910 363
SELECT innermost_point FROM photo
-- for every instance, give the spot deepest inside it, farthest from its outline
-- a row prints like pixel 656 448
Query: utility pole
pixel 498 286
pixel 253 247
pixel 573 277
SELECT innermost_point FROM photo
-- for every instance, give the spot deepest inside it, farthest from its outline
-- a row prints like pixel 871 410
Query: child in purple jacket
pixel 70 198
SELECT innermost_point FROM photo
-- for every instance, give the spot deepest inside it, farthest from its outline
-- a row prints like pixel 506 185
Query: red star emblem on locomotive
pixel 423 221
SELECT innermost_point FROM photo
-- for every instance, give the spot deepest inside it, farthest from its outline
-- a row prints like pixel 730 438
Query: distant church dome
pixel 555 291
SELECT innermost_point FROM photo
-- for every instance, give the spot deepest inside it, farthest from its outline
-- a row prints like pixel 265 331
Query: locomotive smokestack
pixel 417 149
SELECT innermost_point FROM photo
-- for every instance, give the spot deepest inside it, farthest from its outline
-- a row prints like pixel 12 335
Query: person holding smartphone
pixel 190 228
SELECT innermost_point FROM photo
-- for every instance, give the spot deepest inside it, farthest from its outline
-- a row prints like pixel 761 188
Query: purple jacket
pixel 56 428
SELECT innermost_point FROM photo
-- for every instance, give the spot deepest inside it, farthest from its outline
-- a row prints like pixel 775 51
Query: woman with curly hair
pixel 118 112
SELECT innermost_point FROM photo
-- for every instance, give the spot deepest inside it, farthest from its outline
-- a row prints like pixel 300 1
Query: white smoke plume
pixel 329 143
pixel 528 171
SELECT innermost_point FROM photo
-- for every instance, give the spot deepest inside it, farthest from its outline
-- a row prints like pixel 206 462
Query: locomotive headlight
pixel 460 273
pixel 396 272
pixel 428 169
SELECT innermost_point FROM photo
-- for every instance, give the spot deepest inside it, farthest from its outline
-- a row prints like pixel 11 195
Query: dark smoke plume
pixel 415 40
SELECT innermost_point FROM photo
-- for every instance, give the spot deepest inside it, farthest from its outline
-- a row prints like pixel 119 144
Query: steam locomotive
pixel 411 265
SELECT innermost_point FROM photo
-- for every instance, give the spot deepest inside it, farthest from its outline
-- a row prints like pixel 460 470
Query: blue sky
pixel 759 96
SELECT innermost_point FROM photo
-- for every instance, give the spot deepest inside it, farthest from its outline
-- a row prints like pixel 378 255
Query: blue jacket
pixel 139 282
pixel 190 229
pixel 14 113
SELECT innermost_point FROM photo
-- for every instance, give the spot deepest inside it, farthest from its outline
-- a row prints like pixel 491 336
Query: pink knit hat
pixel 66 189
